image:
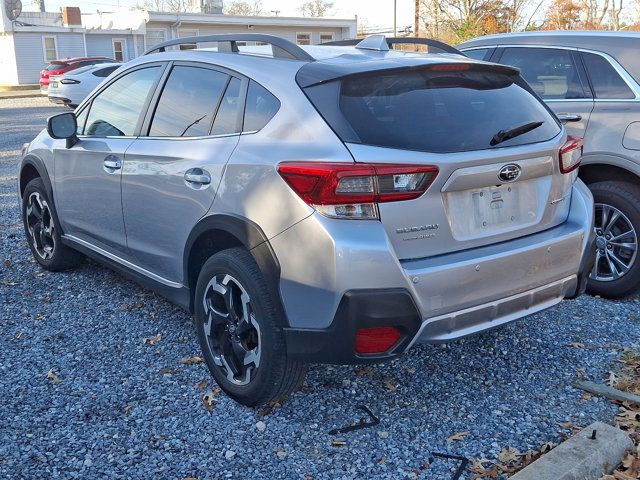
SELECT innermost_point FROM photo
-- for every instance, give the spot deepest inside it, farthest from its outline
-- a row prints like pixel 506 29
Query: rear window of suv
pixel 440 111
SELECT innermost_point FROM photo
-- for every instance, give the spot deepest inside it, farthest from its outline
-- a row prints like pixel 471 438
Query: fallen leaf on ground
pixel 391 384
pixel 338 442
pixel 127 409
pixel 7 263
pixel 152 340
pixel 127 308
pixel 576 344
pixel 210 398
pixel 39 316
pixel 613 379
pixel 168 371
pixel 54 377
pixel 195 360
pixel 8 283
pixel 202 383
pixel 456 437
pixel 363 371
pixel 508 455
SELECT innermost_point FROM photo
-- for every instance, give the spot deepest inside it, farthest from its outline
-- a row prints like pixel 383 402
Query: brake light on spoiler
pixel 354 190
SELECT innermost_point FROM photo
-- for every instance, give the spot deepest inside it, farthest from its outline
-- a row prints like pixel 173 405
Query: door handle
pixel 112 163
pixel 569 117
pixel 197 177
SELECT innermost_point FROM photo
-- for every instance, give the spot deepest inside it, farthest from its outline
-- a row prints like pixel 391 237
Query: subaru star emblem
pixel 509 173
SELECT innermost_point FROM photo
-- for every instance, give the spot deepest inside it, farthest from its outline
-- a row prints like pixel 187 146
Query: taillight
pixel 571 154
pixel 353 190
pixel 376 340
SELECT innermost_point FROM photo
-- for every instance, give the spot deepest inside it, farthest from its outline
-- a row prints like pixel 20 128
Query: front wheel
pixel 616 271
pixel 43 232
pixel 239 333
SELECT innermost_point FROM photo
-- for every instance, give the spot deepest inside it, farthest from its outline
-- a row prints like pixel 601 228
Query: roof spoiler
pixel 281 48
pixel 382 43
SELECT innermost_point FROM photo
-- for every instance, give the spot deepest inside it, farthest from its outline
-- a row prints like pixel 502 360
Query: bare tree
pixel 244 8
pixel 177 6
pixel 594 13
pixel 315 8
pixel 614 12
pixel 562 15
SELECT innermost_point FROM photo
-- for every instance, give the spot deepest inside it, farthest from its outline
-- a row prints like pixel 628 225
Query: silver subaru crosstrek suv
pixel 326 204
pixel 591 81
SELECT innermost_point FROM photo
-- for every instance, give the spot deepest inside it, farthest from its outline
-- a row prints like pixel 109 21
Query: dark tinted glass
pixel 476 53
pixel 261 107
pixel 606 82
pixel 188 102
pixel 116 110
pixel 442 111
pixel 550 72
pixel 105 72
pixel 226 121
pixel 56 66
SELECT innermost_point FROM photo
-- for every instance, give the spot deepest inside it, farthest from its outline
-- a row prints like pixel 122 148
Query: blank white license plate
pixel 481 211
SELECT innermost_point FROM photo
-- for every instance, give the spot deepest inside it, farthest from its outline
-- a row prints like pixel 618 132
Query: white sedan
pixel 71 88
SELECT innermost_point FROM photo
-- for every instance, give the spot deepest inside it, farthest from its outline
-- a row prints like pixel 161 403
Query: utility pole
pixel 395 17
pixel 416 20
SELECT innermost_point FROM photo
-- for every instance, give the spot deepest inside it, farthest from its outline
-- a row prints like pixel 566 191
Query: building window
pixel 50 48
pixel 326 37
pixel 188 32
pixel 303 38
pixel 119 50
pixel 154 37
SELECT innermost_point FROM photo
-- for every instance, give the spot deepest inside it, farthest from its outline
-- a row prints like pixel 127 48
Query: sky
pixel 376 15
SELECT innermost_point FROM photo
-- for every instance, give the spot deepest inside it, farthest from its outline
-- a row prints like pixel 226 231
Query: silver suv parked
pixel 590 80
pixel 327 204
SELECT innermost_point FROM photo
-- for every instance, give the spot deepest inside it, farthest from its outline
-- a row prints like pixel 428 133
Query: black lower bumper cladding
pixel 358 309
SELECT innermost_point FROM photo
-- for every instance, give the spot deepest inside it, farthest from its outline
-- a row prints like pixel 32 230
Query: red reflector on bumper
pixel 376 340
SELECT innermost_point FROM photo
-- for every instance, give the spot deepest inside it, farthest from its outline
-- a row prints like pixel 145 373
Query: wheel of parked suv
pixel 237 327
pixel 617 223
pixel 42 231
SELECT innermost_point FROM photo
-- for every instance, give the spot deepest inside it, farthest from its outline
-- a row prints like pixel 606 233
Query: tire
pixel 617 269
pixel 43 231
pixel 237 327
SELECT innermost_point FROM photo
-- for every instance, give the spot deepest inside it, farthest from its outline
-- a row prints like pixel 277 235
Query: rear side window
pixel 188 102
pixel 606 82
pixel 477 53
pixel 105 72
pixel 260 108
pixel 436 111
pixel 551 72
pixel 116 110
pixel 226 121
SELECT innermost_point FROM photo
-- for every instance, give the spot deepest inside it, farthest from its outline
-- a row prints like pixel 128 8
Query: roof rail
pixel 367 43
pixel 281 48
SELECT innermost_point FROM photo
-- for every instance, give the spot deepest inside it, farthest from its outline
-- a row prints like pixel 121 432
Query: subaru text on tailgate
pixel 331 204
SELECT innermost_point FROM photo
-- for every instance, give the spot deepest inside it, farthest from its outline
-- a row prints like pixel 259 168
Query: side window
pixel 104 72
pixel 606 82
pixel 477 53
pixel 81 118
pixel 188 102
pixel 550 72
pixel 226 121
pixel 260 108
pixel 116 110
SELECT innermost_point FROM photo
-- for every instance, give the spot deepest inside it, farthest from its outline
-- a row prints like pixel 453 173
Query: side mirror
pixel 63 126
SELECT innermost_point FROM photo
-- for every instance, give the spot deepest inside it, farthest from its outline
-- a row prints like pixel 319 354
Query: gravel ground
pixel 117 407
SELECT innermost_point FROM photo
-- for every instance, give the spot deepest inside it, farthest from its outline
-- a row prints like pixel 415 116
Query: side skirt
pixel 174 292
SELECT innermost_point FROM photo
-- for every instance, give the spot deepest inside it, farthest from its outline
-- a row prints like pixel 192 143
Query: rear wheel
pixel 42 231
pixel 238 331
pixel 616 271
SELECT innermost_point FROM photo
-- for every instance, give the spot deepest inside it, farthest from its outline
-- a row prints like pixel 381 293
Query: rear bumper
pixel 451 296
pixel 59 100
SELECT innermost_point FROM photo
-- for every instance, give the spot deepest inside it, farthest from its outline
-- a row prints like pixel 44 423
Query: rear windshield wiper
pixel 504 135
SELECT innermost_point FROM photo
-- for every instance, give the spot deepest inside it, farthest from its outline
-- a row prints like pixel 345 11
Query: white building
pixel 34 39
